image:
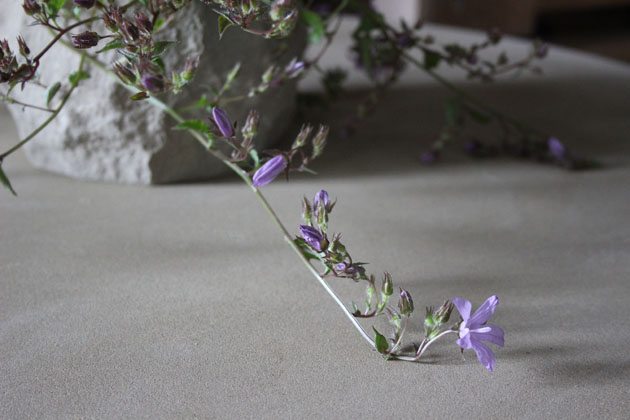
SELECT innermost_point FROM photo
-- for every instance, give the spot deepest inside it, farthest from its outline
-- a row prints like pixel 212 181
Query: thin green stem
pixel 49 120
pixel 245 177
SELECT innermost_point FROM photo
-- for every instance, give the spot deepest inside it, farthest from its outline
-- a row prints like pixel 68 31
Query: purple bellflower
pixel 269 171
pixel 312 237
pixel 556 148
pixel 474 329
pixel 223 122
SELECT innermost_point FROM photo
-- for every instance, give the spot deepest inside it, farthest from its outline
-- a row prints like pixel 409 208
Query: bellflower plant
pixel 380 49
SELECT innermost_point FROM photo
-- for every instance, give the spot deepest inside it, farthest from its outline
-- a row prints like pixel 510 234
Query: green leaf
pixel 159 22
pixel 5 181
pixel 313 21
pixel 380 342
pixel 77 76
pixel 113 44
pixel 161 46
pixel 139 96
pixel 431 60
pixel 54 6
pixel 452 111
pixel 224 23
pixel 195 125
pixel 51 92
pixel 158 62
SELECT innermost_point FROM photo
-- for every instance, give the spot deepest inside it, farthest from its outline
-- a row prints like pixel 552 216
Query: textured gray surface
pixel 108 137
pixel 183 302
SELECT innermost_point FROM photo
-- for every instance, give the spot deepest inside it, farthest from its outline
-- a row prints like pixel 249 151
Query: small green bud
pixel 405 304
pixel 388 286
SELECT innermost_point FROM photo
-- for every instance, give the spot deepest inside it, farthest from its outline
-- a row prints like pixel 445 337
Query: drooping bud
pixel 269 171
pixel 387 287
pixel 250 128
pixel 405 304
pixel 85 39
pixel 31 7
pixel 312 237
pixel 223 122
pixel 86 4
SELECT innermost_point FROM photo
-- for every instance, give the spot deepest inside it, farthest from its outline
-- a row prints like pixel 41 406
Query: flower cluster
pixel 11 71
pixel 315 244
pixel 277 18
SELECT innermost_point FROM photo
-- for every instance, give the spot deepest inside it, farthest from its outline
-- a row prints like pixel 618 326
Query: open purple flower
pixel 269 171
pixel 223 122
pixel 312 237
pixel 474 329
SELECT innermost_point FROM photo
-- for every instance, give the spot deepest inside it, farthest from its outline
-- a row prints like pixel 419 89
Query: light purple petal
pixel 485 311
pixel 320 196
pixel 463 306
pixel 484 354
pixel 464 342
pixel 491 333
pixel 312 237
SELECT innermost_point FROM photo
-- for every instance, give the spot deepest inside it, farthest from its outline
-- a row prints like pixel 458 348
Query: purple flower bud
pixel 405 304
pixel 143 22
pixel 269 171
pixel 294 68
pixel 124 73
pixel 223 122
pixel 24 50
pixel 341 266
pixel 85 39
pixel 153 82
pixel 312 237
pixel 556 148
pixel 321 196
pixel 30 7
pixel 86 4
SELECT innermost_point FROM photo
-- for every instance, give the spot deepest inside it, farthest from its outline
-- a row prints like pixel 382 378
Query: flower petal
pixel 463 306
pixel 485 311
pixel 464 342
pixel 484 354
pixel 491 333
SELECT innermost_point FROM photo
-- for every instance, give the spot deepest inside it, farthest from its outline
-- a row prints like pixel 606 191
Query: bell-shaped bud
pixel 405 304
pixel 269 171
pixel 124 73
pixel 24 50
pixel 307 211
pixel 443 314
pixel 300 139
pixel 223 122
pixel 154 82
pixel 190 69
pixel 143 22
pixel 85 40
pixel 31 7
pixel 312 237
pixel 387 288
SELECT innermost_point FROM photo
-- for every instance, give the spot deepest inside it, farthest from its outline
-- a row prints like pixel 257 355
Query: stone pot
pixel 102 135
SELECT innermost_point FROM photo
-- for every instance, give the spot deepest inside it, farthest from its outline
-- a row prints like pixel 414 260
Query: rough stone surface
pixel 102 135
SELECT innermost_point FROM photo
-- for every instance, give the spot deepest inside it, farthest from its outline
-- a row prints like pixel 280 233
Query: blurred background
pixel 598 26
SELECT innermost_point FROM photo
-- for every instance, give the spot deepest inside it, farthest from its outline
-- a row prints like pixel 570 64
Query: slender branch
pixel 245 177
pixel 13 101
pixel 49 120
